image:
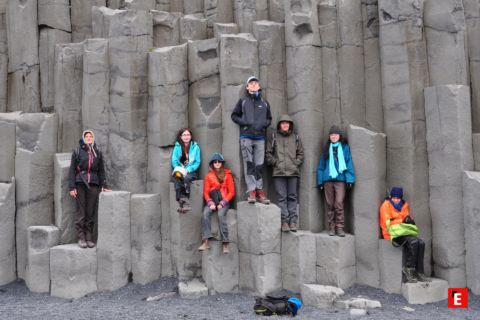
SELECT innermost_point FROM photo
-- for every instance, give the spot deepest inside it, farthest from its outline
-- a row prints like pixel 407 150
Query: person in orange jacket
pixel 217 178
pixel 395 209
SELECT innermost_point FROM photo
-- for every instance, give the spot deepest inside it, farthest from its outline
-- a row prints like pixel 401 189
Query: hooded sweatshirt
pixel 285 156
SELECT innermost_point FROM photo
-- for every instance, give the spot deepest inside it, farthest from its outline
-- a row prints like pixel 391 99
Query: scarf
pixel 397 207
pixel 92 150
pixel 341 160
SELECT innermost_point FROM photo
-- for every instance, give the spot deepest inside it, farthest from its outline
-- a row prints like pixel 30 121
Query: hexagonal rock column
pixel 373 73
pixel 259 244
pixel 7 146
pixel 145 236
pixel 34 174
pixel 204 108
pixel 73 271
pixel 129 43
pixel 3 58
pixel 168 88
pixel 64 202
pixel 23 62
pixel 49 38
pixel 220 29
pixel 320 296
pixel 68 77
pixel 476 150
pixel 8 271
pixel 101 17
pixel 369 162
pixel 402 45
pixel 166 28
pixel 55 14
pixel 221 271
pixel 170 5
pixel 192 6
pixel 246 12
pixel 114 245
pixel 449 142
pixel 96 86
pixel 81 12
pixel 192 28
pixel 186 234
pixel 304 91
pixel 238 62
pixel 299 259
pixel 335 260
pixel 220 11
pixel 425 292
pixel 40 240
pixel 390 260
pixel 446 36
pixel 276 11
pixel 145 5
pixel 471 216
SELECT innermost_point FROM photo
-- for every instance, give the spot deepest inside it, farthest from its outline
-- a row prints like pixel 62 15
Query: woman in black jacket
pixel 85 178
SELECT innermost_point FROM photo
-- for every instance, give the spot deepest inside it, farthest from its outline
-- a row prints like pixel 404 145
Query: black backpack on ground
pixel 271 306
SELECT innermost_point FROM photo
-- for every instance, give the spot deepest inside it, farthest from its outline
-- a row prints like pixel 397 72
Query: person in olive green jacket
pixel 285 154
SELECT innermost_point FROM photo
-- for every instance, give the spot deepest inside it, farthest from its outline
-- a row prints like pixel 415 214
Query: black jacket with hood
pixel 253 115
pixel 90 165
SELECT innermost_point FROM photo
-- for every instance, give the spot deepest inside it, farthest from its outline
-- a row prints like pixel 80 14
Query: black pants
pixel 182 186
pixel 415 251
pixel 85 201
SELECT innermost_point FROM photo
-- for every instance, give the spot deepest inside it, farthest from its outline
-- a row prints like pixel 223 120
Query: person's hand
pixel 349 186
pixel 320 186
pixel 106 190
pixel 73 193
pixel 408 220
pixel 219 207
pixel 212 207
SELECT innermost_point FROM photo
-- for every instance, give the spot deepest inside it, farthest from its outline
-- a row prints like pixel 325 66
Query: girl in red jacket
pixel 218 178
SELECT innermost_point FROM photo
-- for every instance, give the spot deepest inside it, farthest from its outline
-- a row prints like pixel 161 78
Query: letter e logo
pixel 457 297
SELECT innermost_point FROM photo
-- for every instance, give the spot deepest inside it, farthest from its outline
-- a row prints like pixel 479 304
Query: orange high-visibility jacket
pixel 387 211
pixel 227 188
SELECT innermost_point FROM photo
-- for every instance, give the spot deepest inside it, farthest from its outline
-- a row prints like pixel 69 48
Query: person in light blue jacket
pixel 334 175
pixel 185 162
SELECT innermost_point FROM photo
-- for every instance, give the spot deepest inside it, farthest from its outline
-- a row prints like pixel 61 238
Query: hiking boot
pixel 252 197
pixel 261 197
pixel 226 249
pixel 285 227
pixel 332 232
pixel 184 205
pixel 340 232
pixel 90 244
pixel 205 245
pixel 410 273
pixel 422 277
pixel 293 227
pixel 82 244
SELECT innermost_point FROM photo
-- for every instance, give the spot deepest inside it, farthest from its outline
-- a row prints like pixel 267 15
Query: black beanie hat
pixel 335 129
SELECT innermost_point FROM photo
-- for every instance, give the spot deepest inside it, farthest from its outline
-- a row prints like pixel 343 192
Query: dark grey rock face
pixel 7 235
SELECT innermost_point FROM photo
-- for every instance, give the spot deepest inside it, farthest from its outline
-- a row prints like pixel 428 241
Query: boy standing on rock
pixel 252 114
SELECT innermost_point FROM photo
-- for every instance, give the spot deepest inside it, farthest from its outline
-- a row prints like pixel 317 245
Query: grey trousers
pixel 222 220
pixel 286 188
pixel 253 151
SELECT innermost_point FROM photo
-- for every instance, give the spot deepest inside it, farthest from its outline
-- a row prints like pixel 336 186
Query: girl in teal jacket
pixel 186 155
pixel 334 175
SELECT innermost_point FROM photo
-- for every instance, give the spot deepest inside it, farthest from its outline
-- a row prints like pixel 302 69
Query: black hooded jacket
pixel 89 165
pixel 253 115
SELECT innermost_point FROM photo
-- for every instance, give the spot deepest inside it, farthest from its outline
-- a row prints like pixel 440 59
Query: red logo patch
pixel 457 297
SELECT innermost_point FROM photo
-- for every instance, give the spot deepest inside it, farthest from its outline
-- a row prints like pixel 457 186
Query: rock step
pixel 425 292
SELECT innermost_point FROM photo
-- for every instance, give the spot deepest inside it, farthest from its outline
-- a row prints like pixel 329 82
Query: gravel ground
pixel 17 302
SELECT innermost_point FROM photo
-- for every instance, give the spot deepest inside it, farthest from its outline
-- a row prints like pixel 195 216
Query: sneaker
pixel 261 198
pixel 90 244
pixel 340 232
pixel 285 227
pixel 293 227
pixel 226 249
pixel 205 245
pixel 184 205
pixel 186 208
pixel 252 197
pixel 332 232
pixel 422 277
pixel 410 273
pixel 82 244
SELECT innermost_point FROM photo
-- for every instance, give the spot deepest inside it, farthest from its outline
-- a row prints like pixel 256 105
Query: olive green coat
pixel 284 157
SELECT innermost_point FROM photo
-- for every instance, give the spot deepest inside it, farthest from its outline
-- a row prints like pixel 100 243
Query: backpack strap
pixel 296 139
pixel 274 140
pixel 77 157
